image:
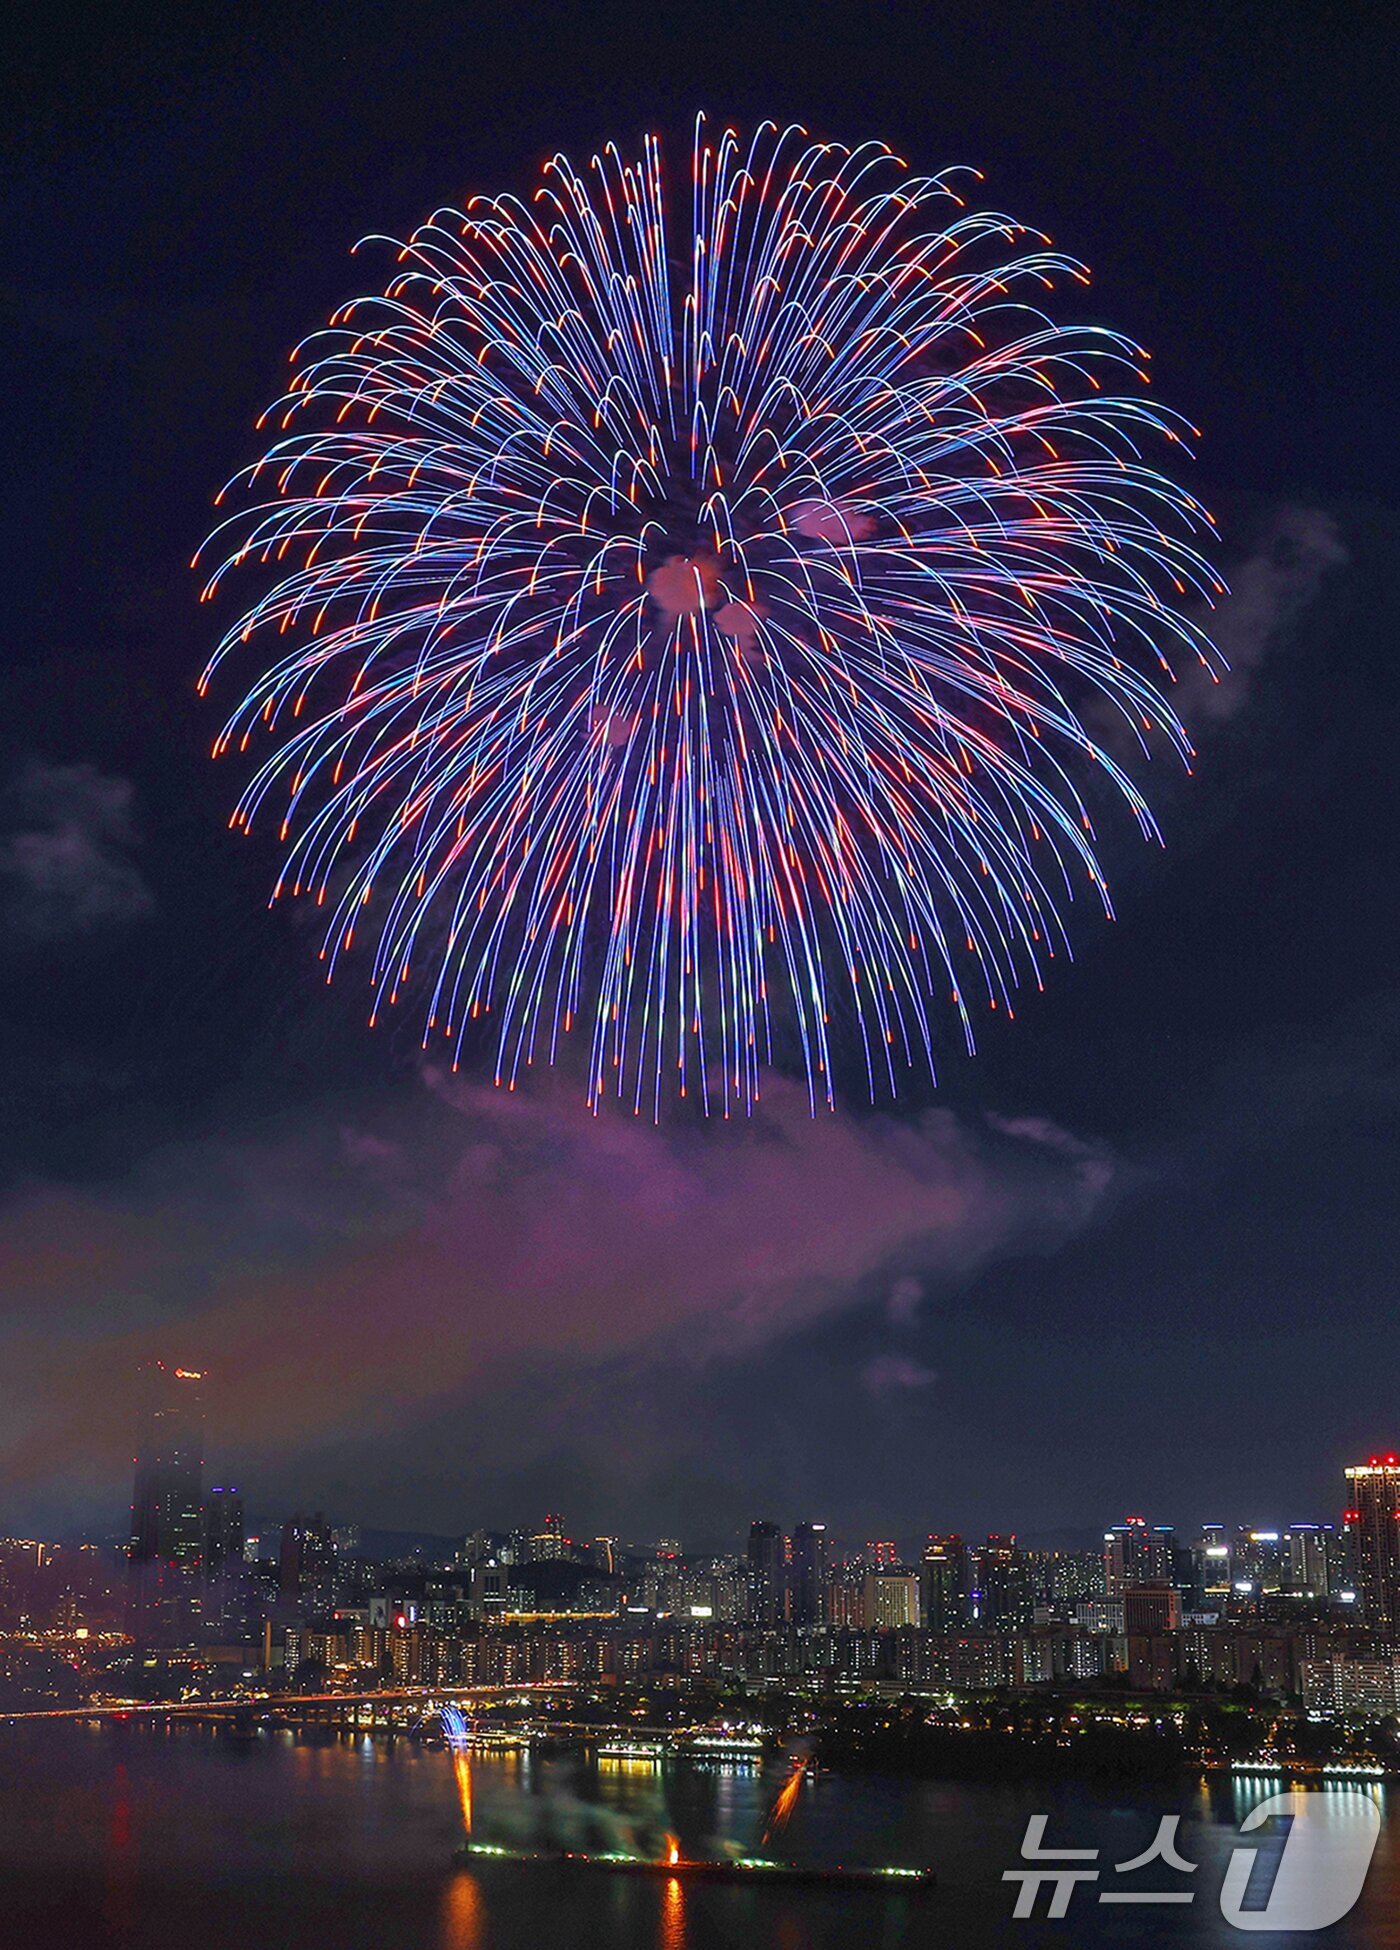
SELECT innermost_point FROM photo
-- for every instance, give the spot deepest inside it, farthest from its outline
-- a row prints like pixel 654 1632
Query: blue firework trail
pixel 687 632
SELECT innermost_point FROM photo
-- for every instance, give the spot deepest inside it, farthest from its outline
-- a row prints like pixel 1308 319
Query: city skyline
pixel 172 1411
pixel 176 1521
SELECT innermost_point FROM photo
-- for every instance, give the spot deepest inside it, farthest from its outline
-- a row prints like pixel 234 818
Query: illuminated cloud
pixel 65 865
pixel 337 1279
pixel 1269 591
pixel 890 1374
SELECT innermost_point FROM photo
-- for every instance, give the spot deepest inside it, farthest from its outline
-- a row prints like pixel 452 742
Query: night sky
pixel 1139 1254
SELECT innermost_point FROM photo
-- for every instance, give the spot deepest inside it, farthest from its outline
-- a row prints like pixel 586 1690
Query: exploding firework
pixel 709 634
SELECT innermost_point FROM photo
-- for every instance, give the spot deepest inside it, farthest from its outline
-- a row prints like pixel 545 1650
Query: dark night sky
pixel 1139 1254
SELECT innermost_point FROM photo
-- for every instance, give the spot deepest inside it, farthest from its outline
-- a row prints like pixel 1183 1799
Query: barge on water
pixel 745 1868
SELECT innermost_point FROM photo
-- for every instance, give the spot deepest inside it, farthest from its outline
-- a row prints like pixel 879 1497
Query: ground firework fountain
pixel 668 1863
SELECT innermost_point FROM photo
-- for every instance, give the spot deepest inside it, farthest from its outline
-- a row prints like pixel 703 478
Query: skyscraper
pixel 1309 1571
pixel 1373 1534
pixel 891 1600
pixel 1210 1564
pixel 547 1543
pixel 1002 1598
pixel 943 1584
pixel 1134 1554
pixel 224 1569
pixel 766 1568
pixel 223 1530
pixel 809 1574
pixel 307 1565
pixel 165 1556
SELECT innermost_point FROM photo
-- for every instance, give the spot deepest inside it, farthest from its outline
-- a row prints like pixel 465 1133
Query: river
pixel 135 1836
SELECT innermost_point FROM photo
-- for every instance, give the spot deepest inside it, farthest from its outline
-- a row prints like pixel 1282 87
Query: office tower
pixel 1001 1596
pixel 1260 1561
pixel 1337 1551
pixel 845 1599
pixel 1308 1567
pixel 165 1556
pixel 891 1600
pixel 1135 1554
pixel 307 1565
pixel 223 1530
pixel 547 1543
pixel 809 1574
pixel 882 1554
pixel 766 1568
pixel 943 1584
pixel 224 1578
pixel 1211 1564
pixel 490 1589
pixel 1373 1533
pixel 1149 1608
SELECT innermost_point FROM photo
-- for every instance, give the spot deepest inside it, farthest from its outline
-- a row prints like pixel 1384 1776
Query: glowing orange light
pixel 787 1799
pixel 462 1768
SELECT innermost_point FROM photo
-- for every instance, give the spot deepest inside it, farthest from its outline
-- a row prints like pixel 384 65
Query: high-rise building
pixel 223 1530
pixel 1362 1686
pixel 845 1599
pixel 1309 1558
pixel 1373 1534
pixel 1149 1608
pixel 1133 1553
pixel 1211 1564
pixel 547 1544
pixel 165 1557
pixel 766 1569
pixel 307 1565
pixel 224 1572
pixel 891 1599
pixel 1071 1578
pixel 810 1574
pixel 943 1584
pixel 1260 1562
pixel 1001 1596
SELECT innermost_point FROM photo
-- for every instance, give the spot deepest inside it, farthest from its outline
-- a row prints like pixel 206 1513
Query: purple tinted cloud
pixel 889 1374
pixel 338 1279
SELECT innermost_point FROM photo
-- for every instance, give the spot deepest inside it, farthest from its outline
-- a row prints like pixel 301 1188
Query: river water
pixel 144 1837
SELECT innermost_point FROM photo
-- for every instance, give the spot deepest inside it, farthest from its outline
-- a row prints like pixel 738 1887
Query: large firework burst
pixel 694 635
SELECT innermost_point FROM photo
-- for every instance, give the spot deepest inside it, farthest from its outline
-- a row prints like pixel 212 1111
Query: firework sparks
pixel 787 1800
pixel 454 1725
pixel 705 634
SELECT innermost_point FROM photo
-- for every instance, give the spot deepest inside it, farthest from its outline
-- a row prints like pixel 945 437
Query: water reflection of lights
pixel 463 1913
pixel 671 1932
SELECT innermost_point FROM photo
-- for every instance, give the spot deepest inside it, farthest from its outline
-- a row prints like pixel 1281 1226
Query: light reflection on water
pixel 139 1837
pixel 463 1913
pixel 671 1935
